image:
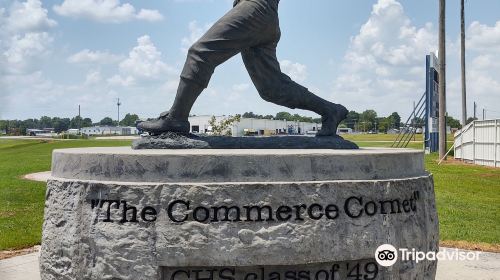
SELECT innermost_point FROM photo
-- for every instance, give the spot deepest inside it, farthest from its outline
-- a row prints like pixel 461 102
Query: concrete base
pixel 117 213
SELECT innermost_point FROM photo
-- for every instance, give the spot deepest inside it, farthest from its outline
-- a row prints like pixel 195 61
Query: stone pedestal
pixel 118 213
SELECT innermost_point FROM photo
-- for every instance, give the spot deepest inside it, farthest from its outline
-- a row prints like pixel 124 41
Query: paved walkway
pixel 487 268
pixel 126 137
pixel 20 268
pixel 39 176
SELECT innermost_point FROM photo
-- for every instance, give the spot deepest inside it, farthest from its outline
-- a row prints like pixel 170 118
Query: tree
pixel 471 119
pixel 21 127
pixel 76 122
pixel 223 127
pixel 4 126
pixel 396 120
pixel 284 116
pixel 367 119
pixel 351 119
pixel 453 123
pixel 384 124
pixel 129 120
pixel 60 124
pixel 45 122
pixel 250 115
pixel 87 122
pixel 30 123
pixel 107 121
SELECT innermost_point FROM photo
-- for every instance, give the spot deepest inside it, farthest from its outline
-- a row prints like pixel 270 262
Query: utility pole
pixel 79 119
pixel 484 114
pixel 475 110
pixel 462 58
pixel 118 105
pixel 442 79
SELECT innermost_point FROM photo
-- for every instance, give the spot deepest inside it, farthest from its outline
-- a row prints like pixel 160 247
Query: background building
pixel 255 127
pixel 110 130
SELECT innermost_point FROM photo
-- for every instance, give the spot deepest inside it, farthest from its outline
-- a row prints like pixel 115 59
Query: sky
pixel 364 54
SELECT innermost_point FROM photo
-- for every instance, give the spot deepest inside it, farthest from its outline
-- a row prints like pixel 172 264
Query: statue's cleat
pixel 162 125
pixel 331 120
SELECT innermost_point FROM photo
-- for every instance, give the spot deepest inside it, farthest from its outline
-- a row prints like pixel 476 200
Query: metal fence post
pixel 474 142
pixel 496 143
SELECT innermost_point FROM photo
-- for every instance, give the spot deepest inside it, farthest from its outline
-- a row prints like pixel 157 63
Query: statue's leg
pixel 276 87
pixel 248 24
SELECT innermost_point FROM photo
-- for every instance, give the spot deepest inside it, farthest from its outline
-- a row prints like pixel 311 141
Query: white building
pixel 73 131
pixel 110 130
pixel 255 127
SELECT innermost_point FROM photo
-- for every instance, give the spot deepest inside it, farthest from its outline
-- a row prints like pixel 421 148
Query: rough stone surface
pixel 186 166
pixel 172 140
pixel 78 244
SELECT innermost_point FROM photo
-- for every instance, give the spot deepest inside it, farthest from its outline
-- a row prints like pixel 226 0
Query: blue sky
pixel 55 55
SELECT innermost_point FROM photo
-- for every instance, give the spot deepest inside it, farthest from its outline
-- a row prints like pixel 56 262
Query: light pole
pixel 462 58
pixel 79 120
pixel 442 79
pixel 118 104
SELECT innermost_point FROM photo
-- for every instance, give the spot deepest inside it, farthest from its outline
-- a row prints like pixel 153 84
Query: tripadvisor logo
pixel 387 255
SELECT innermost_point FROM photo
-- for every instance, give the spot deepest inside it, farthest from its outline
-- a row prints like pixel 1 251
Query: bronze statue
pixel 251 28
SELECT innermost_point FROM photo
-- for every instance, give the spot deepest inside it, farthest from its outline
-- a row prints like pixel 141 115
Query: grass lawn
pixel 22 201
pixel 468 196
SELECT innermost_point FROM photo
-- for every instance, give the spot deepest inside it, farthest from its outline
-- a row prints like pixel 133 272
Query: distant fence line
pixel 479 143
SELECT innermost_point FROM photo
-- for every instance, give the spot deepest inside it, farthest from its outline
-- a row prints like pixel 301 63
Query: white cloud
pixel 149 15
pixel 25 50
pixel 88 56
pixel 118 80
pixel 296 71
pixel 384 61
pixel 25 39
pixel 3 95
pixel 195 33
pixel 483 83
pixel 234 95
pixel 35 88
pixel 3 19
pixel 93 77
pixel 241 87
pixel 29 16
pixel 481 37
pixel 144 63
pixel 109 11
pixel 23 43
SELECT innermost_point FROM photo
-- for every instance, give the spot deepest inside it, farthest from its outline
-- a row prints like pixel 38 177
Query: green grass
pixel 468 196
pixel 468 201
pixel 22 201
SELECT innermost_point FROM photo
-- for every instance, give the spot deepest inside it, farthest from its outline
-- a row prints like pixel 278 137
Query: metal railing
pixel 414 121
